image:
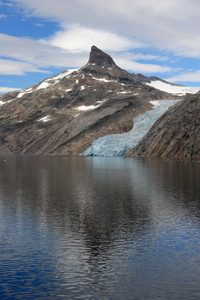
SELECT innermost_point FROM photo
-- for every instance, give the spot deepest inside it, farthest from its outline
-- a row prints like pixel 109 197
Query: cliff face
pixel 176 134
pixel 65 113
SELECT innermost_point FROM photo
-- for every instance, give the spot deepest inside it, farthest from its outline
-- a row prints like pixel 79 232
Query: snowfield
pixel 173 89
pixel 120 144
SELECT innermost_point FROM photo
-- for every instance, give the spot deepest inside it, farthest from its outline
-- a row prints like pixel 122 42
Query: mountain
pixel 64 113
pixel 176 134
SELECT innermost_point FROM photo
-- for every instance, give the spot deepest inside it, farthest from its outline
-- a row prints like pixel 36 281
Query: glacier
pixel 120 144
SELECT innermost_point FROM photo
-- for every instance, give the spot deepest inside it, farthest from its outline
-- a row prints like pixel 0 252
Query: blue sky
pixel 40 38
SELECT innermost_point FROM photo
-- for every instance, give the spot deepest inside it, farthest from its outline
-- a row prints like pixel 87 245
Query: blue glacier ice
pixel 120 144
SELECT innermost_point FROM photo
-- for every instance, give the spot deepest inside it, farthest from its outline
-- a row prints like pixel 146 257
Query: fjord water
pixel 99 228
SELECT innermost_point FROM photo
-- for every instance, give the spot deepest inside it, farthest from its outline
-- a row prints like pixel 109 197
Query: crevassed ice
pixel 120 144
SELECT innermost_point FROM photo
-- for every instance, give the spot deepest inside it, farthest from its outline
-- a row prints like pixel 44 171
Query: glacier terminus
pixel 120 144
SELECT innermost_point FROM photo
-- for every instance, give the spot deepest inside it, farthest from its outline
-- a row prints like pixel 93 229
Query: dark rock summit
pixel 98 57
pixel 64 113
pixel 176 134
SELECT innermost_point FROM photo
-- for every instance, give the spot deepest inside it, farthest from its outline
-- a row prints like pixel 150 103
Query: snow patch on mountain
pixel 120 144
pixel 124 92
pixel 173 89
pixel 49 82
pixel 43 85
pixel 64 74
pixel 29 90
pixel 84 107
pixel 21 94
pixel 55 79
pixel 45 119
pixel 103 79
pixel 2 102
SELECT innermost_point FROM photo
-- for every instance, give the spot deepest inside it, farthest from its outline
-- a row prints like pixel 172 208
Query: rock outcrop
pixel 63 114
pixel 176 134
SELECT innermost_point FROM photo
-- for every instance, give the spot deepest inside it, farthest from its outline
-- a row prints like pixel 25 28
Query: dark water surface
pixel 99 228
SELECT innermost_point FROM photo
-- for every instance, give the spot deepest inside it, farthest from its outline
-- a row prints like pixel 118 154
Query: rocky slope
pixel 176 134
pixel 65 113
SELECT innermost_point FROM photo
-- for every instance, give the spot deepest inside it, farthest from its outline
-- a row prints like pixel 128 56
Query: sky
pixel 41 38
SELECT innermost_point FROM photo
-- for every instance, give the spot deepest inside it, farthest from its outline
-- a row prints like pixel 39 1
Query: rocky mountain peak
pixel 99 57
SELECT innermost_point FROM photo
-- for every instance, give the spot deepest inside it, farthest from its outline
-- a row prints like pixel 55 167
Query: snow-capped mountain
pixel 64 113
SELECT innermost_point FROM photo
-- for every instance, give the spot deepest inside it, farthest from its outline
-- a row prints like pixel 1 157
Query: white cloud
pixel 18 48
pixel 187 77
pixel 76 38
pixel 39 24
pixel 114 26
pixel 38 54
pixel 6 4
pixel 141 56
pixel 2 17
pixel 136 67
pixel 33 55
pixel 10 67
pixel 170 25
pixel 7 89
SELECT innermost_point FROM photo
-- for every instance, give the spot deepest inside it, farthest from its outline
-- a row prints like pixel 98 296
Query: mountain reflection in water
pixel 90 228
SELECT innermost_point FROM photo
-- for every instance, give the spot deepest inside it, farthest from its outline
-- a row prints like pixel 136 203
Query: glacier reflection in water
pixel 120 144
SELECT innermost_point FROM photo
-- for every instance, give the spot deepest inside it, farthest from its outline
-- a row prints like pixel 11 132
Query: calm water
pixel 99 228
